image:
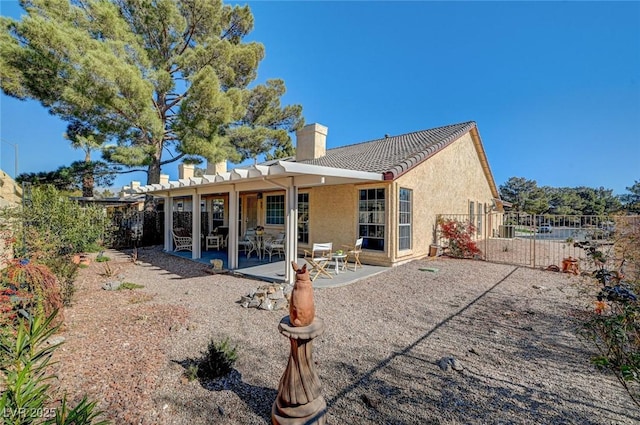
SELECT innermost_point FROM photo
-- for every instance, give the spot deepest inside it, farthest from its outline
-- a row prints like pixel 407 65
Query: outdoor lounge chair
pixel 318 258
pixel 181 241
pixel 353 253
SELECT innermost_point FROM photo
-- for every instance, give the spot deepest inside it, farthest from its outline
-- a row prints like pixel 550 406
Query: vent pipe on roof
pixel 311 142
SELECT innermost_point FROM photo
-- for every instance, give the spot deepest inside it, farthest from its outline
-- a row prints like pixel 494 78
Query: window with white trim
pixel 371 218
pixel 405 210
pixel 275 209
pixel 303 217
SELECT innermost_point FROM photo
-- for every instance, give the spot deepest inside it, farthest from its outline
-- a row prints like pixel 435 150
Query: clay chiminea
pixel 301 307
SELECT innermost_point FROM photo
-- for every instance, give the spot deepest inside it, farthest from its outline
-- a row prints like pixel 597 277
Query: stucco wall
pixel 444 184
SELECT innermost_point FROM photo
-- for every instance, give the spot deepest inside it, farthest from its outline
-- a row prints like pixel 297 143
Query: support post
pixel 168 223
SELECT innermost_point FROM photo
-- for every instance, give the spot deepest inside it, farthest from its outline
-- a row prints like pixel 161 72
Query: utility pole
pixel 15 148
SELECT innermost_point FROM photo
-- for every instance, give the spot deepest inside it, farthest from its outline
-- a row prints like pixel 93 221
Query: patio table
pixel 339 258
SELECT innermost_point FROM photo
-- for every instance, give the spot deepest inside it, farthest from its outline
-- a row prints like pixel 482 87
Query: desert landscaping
pixel 386 356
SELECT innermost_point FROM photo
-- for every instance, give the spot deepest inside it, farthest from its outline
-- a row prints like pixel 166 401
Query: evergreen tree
pixel 631 200
pixel 148 77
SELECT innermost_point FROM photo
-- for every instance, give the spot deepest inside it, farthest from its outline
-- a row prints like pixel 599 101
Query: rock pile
pixel 274 296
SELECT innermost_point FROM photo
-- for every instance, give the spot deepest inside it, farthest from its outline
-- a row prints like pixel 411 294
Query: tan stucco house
pixel 387 191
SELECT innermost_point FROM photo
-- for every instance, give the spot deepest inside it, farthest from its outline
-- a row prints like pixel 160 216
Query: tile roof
pixel 393 155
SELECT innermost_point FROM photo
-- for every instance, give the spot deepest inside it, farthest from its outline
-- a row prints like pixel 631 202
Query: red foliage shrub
pixel 459 235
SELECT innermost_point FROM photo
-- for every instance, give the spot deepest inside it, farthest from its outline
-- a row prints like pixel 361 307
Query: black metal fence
pixel 146 228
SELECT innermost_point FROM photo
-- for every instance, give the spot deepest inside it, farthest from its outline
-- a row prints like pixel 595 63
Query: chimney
pixel 311 142
pixel 217 168
pixel 164 178
pixel 185 171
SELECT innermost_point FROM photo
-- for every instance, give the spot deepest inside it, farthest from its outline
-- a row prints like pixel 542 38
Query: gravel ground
pixel 509 328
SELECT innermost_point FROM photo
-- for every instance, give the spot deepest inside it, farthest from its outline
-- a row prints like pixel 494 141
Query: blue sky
pixel 553 86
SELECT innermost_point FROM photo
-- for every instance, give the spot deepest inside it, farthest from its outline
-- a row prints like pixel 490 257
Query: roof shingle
pixel 393 155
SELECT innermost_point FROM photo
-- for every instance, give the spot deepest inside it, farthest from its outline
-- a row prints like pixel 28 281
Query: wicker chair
pixel 181 242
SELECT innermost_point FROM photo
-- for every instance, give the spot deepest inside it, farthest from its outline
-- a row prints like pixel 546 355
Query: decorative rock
pixel 266 297
pixel 447 363
pixel 55 340
pixel 276 294
pixel 111 286
pixel 267 304
pixel 280 304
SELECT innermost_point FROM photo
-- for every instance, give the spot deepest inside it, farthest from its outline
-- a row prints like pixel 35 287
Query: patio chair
pixel 275 246
pixel 248 242
pixel 181 241
pixel 353 252
pixel 214 241
pixel 318 258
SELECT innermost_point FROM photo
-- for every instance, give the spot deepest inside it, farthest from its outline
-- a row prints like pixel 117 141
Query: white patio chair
pixel 353 253
pixel 248 242
pixel 180 241
pixel 275 246
pixel 318 258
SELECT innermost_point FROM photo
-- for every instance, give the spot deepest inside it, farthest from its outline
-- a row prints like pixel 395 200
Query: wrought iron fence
pixel 544 240
pixel 146 228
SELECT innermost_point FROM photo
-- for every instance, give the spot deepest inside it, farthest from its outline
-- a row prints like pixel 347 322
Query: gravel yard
pixel 509 328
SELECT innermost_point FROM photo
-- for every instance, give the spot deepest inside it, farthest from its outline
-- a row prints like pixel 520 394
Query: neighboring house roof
pixel 393 155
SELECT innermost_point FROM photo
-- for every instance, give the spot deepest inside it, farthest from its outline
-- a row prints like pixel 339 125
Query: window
pixel 371 218
pixel 303 217
pixel 479 228
pixel 404 218
pixel 275 209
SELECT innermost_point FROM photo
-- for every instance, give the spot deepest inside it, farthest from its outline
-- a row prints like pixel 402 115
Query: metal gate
pixel 545 240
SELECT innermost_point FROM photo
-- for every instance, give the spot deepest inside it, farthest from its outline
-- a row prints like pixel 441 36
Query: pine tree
pixel 149 77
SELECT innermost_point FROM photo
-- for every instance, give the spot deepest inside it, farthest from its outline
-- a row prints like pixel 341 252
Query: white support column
pixel 291 223
pixel 168 223
pixel 195 225
pixel 232 247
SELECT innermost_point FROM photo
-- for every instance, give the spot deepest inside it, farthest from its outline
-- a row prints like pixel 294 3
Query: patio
pixel 262 269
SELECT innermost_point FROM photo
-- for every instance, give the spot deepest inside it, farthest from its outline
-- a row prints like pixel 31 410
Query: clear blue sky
pixel 553 86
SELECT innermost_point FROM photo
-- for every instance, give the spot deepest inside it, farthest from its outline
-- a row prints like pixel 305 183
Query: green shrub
pixel 218 360
pixel 66 271
pixel 54 225
pixel 129 285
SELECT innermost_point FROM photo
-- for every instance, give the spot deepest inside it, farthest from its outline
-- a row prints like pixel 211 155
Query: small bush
pixel 218 360
pixel 130 286
pixel 66 271
pixel 459 235
pixel 102 259
pixel 38 280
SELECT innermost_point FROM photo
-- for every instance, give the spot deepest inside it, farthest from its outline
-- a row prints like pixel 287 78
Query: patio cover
pixel 279 174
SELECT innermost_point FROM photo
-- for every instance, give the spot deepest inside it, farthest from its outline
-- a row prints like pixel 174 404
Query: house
pixel 387 191
pixel 10 191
